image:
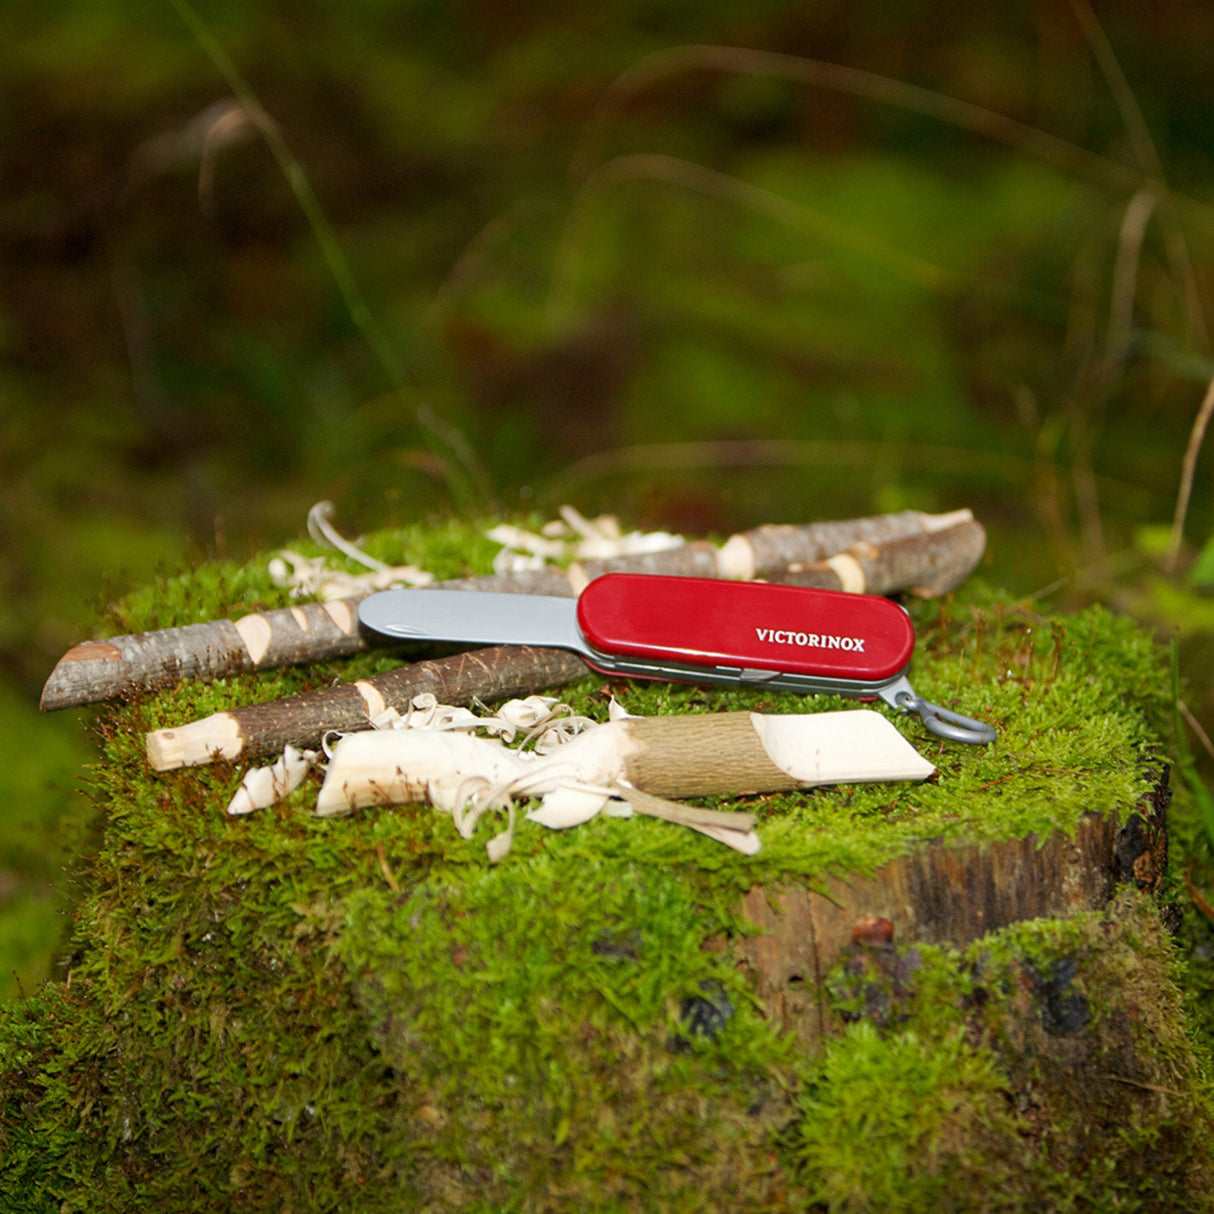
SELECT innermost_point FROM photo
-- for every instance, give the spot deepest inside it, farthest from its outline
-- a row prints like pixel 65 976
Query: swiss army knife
pixel 692 630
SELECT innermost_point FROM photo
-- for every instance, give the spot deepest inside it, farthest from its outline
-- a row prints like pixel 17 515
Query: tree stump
pixel 951 995
pixel 945 896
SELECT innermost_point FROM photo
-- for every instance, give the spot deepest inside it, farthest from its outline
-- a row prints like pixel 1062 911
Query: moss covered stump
pixel 956 995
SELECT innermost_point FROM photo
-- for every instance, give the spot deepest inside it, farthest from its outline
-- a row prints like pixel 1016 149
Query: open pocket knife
pixel 692 630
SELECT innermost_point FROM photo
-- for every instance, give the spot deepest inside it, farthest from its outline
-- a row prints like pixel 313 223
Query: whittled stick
pixel 288 636
pixel 928 564
pixel 99 670
pixel 691 755
pixel 766 550
pixel 701 755
pixel 499 672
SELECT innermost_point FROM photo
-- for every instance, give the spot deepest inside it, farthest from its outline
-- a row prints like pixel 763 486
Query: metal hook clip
pixel 941 721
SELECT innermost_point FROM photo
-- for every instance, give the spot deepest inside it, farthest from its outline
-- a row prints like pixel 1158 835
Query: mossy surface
pixel 43 828
pixel 287 1013
pixel 1046 1066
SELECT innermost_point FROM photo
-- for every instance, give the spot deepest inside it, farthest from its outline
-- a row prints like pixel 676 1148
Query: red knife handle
pixel 749 625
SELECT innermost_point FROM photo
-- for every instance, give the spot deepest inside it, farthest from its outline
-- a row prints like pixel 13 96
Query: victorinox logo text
pixel 809 640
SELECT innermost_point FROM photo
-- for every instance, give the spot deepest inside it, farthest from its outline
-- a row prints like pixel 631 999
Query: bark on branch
pixel 881 554
pixel 500 672
pixel 929 564
pixel 99 670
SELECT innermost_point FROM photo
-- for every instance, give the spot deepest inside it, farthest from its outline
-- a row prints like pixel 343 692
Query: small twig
pixel 1195 725
pixel 100 670
pixel 1138 1083
pixel 929 564
pixel 1188 470
pixel 1199 899
pixel 385 868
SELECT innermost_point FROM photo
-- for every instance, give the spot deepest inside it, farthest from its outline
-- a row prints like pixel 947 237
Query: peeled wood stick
pixel 99 670
pixel 301 721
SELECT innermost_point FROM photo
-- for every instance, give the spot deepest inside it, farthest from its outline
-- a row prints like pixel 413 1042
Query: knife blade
pixel 699 630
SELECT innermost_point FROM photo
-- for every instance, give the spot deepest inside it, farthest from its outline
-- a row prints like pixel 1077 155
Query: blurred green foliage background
pixel 705 265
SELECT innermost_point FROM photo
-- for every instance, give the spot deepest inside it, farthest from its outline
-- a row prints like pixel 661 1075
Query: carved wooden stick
pixel 766 550
pixel 928 564
pixel 311 632
pixel 675 756
pixel 98 670
pixel 741 752
pixel 260 729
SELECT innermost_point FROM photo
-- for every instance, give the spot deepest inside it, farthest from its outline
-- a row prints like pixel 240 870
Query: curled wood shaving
pixel 572 537
pixel 571 765
pixel 266 786
pixel 541 719
pixel 313 577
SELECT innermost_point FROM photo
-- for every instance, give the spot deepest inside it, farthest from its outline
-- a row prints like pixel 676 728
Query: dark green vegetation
pixel 285 1012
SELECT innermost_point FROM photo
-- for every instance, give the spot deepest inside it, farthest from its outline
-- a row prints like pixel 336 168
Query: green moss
pixel 42 830
pixel 899 1123
pixel 287 1012
pixel 1046 1066
pixel 541 1024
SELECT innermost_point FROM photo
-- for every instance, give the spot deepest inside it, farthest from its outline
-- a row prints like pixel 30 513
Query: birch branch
pixel 500 672
pixel 99 670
